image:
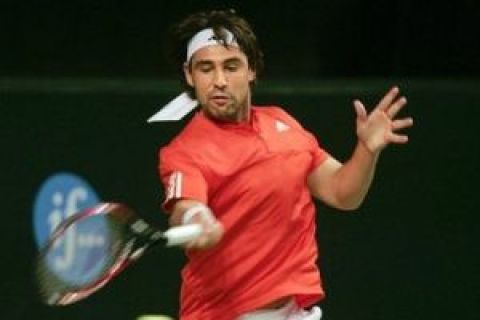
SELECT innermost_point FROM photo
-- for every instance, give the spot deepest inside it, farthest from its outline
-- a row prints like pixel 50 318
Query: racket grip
pixel 182 234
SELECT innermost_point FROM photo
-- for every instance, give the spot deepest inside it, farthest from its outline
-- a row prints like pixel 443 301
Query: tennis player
pixel 248 173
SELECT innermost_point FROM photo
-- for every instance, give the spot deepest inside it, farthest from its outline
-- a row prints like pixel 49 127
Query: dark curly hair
pixel 219 20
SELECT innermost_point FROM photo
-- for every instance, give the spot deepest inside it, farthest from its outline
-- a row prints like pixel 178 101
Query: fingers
pixel 360 109
pixel 389 104
pixel 211 235
pixel 212 230
pixel 397 138
pixel 399 125
pixel 388 99
pixel 378 128
pixel 402 123
pixel 395 107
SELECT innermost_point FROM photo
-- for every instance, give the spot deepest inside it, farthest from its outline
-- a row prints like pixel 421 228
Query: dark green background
pixel 408 253
pixel 78 80
pixel 324 38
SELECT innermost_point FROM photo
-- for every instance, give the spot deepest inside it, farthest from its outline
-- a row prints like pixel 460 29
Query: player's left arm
pixel 344 186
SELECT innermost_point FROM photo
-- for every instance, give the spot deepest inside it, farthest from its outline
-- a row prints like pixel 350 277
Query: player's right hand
pixel 212 229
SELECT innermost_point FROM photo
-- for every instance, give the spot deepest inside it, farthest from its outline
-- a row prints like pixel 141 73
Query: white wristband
pixel 204 211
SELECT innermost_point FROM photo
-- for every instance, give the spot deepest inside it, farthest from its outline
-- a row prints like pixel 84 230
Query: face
pixel 221 78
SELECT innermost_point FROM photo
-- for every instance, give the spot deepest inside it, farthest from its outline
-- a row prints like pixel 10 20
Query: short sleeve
pixel 319 155
pixel 182 178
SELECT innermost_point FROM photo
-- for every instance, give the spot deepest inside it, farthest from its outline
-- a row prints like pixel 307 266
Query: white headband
pixel 207 37
pixel 183 104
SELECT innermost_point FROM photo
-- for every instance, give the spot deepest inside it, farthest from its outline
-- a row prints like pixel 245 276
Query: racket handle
pixel 182 234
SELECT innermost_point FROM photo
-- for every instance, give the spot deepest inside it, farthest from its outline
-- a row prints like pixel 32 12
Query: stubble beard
pixel 235 111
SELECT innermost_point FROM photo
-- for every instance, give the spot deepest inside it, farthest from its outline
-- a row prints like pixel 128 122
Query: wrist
pixel 364 148
pixel 198 210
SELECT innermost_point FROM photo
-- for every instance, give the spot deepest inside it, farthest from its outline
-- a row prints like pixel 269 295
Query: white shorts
pixel 289 312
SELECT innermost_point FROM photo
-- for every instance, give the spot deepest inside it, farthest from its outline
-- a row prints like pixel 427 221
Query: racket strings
pixel 90 248
pixel 65 286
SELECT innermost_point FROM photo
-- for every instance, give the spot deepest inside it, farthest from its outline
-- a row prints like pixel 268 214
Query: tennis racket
pixel 90 248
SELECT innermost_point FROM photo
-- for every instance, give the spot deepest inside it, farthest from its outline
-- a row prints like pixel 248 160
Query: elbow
pixel 349 204
pixel 341 199
pixel 349 207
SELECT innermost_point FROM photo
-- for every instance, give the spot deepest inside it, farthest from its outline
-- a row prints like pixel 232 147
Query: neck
pixel 241 117
pixel 244 115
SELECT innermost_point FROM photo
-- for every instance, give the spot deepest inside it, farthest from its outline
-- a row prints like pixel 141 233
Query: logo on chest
pixel 281 126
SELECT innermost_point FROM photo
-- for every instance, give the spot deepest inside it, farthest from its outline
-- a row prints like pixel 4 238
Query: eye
pixel 205 68
pixel 231 67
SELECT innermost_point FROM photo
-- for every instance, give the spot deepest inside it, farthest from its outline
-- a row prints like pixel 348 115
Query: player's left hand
pixel 378 129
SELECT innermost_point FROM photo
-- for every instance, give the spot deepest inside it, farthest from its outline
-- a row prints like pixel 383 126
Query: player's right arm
pixel 186 190
pixel 186 211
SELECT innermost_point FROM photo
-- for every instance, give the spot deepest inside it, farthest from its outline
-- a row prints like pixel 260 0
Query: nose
pixel 220 80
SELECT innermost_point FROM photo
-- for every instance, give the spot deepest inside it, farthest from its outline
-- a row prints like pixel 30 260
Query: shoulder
pixel 271 110
pixel 186 140
pixel 277 113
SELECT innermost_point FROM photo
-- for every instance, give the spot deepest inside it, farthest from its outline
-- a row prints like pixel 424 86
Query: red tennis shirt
pixel 253 177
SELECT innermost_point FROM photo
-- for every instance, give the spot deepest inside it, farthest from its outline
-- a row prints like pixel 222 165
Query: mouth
pixel 220 99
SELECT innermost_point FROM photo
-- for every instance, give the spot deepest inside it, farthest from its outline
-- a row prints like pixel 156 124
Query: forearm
pixel 188 211
pixel 178 210
pixel 352 181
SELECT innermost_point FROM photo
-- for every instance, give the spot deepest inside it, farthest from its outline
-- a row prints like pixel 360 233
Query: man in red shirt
pixel 247 174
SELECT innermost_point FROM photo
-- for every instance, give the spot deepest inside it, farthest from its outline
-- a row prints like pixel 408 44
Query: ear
pixel 252 75
pixel 187 71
